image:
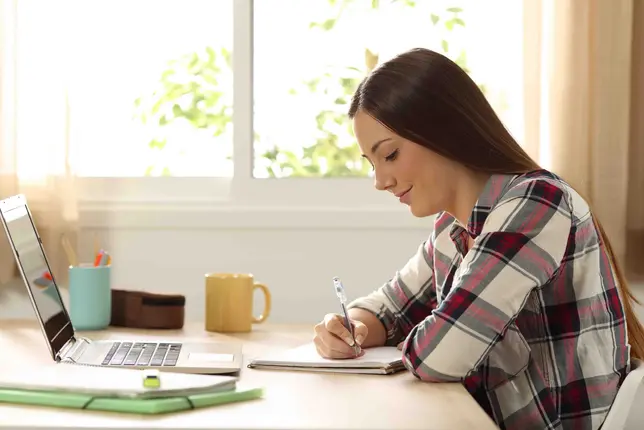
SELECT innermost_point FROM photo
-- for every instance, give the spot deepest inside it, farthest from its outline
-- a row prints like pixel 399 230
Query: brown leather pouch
pixel 140 309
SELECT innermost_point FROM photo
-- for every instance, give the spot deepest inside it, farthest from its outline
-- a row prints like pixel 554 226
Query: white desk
pixel 292 400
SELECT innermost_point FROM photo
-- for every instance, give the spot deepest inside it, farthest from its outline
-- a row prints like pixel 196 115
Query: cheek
pixel 411 169
pixel 423 172
pixel 430 188
pixel 432 185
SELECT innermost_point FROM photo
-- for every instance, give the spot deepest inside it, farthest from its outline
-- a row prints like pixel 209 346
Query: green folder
pixel 127 405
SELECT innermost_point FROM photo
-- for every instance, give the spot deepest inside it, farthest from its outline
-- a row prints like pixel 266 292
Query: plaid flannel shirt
pixel 529 320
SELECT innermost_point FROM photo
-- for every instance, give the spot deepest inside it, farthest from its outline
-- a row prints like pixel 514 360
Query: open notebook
pixel 378 360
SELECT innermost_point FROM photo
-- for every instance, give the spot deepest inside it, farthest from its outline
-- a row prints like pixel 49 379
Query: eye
pixel 392 156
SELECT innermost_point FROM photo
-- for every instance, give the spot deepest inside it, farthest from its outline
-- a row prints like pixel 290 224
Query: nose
pixel 383 182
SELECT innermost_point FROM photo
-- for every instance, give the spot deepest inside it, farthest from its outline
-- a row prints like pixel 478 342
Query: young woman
pixel 516 293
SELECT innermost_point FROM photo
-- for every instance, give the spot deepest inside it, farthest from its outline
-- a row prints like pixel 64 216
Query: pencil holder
pixel 90 297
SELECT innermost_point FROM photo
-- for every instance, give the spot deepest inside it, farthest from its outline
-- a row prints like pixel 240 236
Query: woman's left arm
pixel 521 245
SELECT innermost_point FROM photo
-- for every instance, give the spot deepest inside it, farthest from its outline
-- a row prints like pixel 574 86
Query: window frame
pixel 7 85
pixel 242 200
pixel 242 189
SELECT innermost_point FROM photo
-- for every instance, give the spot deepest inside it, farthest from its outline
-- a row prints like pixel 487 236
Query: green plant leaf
pixel 325 25
pixel 177 111
pixel 444 45
pixel 157 144
pixel 454 9
pixel 228 58
pixel 461 60
pixel 459 21
pixel 435 19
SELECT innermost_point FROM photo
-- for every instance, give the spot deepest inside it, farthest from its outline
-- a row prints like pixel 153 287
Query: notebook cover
pixel 352 370
pixel 376 360
pixel 112 382
pixel 125 405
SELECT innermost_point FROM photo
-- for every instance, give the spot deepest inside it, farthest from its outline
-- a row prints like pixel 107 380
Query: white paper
pixel 307 355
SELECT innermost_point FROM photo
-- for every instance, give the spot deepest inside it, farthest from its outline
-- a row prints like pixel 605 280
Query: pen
pixel 96 245
pixel 104 259
pixel 339 291
pixel 98 258
pixel 67 248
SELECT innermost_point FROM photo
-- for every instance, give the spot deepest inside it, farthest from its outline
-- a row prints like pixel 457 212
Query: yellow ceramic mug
pixel 229 302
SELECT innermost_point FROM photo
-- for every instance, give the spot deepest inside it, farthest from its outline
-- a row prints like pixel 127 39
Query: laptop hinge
pixel 62 353
pixel 73 349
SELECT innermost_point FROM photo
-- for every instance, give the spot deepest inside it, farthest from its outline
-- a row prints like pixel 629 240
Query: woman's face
pixel 417 176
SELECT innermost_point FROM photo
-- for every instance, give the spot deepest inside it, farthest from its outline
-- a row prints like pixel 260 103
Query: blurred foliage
pixel 195 89
pixel 329 155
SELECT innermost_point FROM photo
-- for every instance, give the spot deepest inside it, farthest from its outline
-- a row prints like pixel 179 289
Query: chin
pixel 422 212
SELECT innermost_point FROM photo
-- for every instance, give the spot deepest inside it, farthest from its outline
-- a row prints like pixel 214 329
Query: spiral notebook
pixel 381 360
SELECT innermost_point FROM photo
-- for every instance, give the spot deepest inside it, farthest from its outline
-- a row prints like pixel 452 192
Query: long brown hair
pixel 428 99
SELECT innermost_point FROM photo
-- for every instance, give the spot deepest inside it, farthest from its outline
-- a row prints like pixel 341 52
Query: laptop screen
pixel 36 272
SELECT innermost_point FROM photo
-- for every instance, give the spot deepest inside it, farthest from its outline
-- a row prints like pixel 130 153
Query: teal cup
pixel 90 297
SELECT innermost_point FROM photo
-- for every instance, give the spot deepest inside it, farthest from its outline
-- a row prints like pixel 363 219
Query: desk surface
pixel 292 400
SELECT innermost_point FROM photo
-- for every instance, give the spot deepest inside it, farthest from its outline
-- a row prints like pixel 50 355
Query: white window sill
pixel 208 216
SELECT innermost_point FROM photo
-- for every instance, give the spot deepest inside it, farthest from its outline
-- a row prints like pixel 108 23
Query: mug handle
pixel 267 303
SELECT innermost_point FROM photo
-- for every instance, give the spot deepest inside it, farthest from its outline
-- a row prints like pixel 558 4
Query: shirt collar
pixel 489 197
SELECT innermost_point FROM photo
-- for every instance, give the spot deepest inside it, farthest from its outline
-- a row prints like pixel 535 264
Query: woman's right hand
pixel 333 340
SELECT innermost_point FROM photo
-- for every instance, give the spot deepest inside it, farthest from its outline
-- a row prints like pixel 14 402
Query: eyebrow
pixel 375 146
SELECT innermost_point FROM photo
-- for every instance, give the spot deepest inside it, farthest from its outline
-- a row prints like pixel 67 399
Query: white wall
pixel 294 254
pixel 171 252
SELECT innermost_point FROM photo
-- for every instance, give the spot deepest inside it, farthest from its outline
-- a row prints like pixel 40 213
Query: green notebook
pixel 127 405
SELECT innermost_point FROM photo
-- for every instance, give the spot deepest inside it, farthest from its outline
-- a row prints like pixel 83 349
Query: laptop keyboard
pixel 142 354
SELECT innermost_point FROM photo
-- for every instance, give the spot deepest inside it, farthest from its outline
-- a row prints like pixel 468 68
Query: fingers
pixel 400 345
pixel 333 340
pixel 323 352
pixel 331 346
pixel 334 324
pixel 360 331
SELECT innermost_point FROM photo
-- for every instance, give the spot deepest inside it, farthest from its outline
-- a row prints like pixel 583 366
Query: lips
pixel 404 196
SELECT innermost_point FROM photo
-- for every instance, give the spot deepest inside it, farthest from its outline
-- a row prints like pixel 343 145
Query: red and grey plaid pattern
pixel 529 320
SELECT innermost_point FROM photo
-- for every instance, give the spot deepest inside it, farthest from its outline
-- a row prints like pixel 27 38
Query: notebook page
pixel 307 355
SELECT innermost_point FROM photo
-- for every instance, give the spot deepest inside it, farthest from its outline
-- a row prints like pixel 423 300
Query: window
pixel 309 61
pixel 141 80
pixel 242 101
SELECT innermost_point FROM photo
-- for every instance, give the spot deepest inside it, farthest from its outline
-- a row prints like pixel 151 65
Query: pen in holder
pixel 69 251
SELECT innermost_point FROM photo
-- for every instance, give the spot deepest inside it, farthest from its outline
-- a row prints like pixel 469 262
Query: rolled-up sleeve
pixel 407 298
pixel 520 247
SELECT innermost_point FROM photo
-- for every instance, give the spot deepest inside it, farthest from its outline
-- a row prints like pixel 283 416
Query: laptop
pixel 207 357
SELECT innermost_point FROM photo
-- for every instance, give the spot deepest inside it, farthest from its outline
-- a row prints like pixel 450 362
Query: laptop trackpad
pixel 204 357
